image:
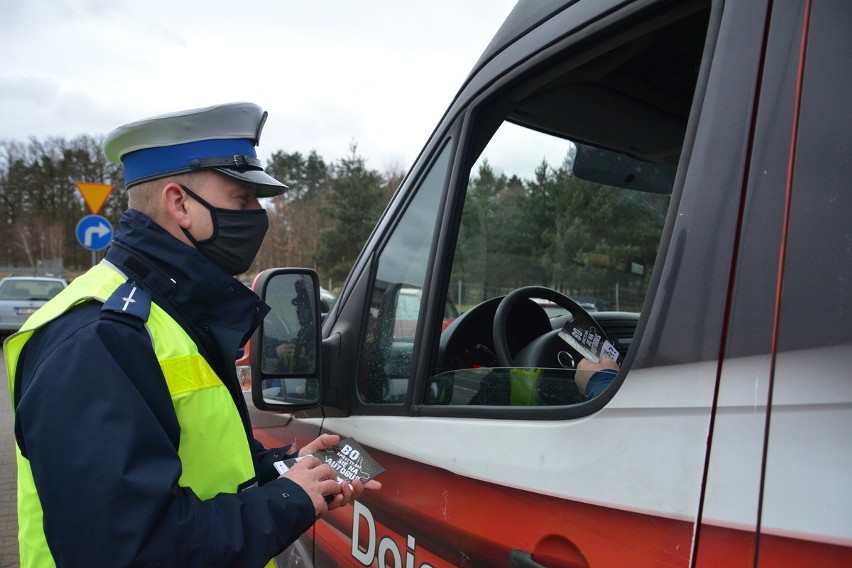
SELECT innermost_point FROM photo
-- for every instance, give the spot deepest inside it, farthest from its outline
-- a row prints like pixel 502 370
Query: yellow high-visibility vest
pixel 214 451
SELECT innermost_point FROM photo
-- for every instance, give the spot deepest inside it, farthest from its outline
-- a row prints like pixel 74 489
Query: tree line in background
pixel 40 205
pixel 577 237
pixel 320 223
pixel 554 229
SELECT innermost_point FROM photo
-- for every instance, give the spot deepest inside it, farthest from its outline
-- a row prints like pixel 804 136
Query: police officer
pixel 134 440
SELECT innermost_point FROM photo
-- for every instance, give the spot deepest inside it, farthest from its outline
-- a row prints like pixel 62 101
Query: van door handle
pixel 523 559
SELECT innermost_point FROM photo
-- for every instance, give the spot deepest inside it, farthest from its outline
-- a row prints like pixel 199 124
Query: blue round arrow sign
pixel 94 232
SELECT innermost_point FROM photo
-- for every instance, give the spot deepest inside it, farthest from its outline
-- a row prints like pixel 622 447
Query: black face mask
pixel 237 236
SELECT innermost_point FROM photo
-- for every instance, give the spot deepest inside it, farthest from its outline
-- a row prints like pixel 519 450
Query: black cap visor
pixel 267 186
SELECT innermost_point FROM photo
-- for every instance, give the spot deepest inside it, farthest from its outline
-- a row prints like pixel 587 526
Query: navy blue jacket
pixel 95 419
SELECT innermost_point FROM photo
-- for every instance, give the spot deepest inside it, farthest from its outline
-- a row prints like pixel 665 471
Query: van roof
pixel 526 15
pixel 639 80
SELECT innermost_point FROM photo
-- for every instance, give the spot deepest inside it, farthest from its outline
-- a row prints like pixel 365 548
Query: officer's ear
pixel 173 206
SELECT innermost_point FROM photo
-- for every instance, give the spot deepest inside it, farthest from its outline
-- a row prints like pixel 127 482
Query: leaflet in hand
pixel 585 336
pixel 347 458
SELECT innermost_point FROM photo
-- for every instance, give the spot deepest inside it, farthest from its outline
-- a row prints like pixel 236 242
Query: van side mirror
pixel 284 358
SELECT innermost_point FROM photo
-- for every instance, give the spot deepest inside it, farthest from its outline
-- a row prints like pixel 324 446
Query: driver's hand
pixel 286 357
pixel 586 368
pixel 285 350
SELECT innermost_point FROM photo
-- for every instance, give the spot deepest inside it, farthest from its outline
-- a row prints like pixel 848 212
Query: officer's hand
pixel 318 480
pixel 350 492
pixel 322 442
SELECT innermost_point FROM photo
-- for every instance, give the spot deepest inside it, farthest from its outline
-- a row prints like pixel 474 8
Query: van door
pixel 782 446
pixel 811 392
pixel 601 156
pixel 778 487
pixel 625 156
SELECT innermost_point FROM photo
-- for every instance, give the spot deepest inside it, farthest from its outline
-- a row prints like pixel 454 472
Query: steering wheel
pixel 501 317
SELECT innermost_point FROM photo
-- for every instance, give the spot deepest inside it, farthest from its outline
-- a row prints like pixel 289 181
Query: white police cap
pixel 221 137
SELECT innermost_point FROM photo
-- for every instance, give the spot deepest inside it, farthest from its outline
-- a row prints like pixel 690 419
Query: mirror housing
pixel 285 348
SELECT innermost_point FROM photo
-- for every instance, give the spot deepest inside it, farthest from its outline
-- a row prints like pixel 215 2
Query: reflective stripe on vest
pixel 214 451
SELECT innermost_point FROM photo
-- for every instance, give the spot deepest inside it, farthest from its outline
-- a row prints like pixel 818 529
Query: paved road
pixel 8 480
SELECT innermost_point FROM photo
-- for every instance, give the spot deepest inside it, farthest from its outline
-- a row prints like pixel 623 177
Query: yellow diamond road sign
pixel 95 194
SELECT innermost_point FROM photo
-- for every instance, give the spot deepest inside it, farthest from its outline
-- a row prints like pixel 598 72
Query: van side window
pixel 386 369
pixel 538 224
pixel 563 216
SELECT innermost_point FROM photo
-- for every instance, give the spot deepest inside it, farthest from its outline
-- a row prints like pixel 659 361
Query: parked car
pixel 326 300
pixel 408 310
pixel 588 303
pixel 21 296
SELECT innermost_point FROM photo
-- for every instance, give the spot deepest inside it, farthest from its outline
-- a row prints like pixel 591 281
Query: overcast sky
pixel 380 73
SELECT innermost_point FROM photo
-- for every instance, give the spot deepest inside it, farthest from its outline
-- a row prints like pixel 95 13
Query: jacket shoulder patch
pixel 130 300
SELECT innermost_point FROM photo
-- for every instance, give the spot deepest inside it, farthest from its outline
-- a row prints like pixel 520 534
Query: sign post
pixel 94 194
pixel 93 231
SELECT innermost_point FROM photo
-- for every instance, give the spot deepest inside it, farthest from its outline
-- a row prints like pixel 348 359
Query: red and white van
pixel 688 163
